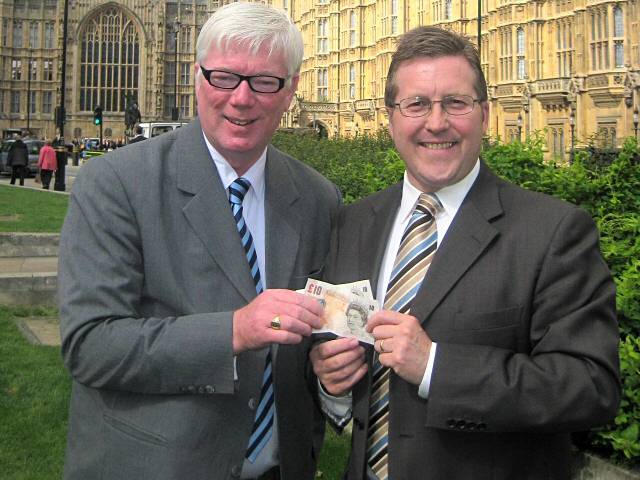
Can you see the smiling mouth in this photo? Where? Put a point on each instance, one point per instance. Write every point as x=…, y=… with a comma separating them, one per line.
x=437, y=146
x=240, y=123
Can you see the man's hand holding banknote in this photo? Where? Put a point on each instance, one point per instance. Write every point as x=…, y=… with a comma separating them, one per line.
x=347, y=308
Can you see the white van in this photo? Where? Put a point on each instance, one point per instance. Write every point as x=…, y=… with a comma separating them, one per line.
x=153, y=129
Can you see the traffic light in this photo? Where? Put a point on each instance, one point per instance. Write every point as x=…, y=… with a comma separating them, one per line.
x=97, y=116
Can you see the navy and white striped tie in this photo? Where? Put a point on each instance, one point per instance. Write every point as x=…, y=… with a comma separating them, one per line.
x=263, y=422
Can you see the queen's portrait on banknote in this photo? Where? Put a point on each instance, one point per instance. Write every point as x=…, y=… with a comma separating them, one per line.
x=346, y=308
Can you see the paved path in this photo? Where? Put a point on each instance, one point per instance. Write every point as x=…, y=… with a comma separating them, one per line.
x=28, y=264
x=40, y=331
x=30, y=182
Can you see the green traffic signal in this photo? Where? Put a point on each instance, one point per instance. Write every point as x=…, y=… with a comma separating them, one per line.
x=97, y=116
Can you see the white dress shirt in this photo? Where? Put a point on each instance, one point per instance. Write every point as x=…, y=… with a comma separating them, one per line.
x=451, y=197
x=253, y=213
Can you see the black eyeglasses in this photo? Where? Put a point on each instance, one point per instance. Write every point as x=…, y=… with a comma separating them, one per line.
x=452, y=104
x=229, y=81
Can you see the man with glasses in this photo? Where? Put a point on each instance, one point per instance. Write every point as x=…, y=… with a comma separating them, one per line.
x=498, y=333
x=179, y=261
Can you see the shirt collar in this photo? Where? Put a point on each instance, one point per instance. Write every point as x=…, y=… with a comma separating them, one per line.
x=450, y=196
x=255, y=174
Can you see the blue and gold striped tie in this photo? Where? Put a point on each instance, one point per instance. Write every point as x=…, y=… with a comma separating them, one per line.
x=417, y=246
x=263, y=422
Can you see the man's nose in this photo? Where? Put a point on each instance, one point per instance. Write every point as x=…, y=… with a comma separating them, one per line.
x=437, y=119
x=242, y=94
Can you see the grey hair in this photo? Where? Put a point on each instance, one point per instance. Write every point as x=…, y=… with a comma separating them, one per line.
x=252, y=25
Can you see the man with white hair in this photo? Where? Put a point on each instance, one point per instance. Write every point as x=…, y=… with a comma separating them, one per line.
x=179, y=258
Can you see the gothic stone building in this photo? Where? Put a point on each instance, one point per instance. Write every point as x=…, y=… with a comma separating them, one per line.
x=569, y=69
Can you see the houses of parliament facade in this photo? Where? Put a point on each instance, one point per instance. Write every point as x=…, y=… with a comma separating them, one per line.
x=569, y=69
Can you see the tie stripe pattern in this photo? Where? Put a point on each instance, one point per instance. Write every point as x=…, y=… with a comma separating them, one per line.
x=237, y=190
x=417, y=247
x=263, y=422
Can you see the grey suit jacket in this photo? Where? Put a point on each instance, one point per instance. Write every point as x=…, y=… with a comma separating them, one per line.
x=522, y=306
x=151, y=269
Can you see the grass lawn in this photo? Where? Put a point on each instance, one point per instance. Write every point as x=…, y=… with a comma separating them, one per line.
x=25, y=210
x=34, y=399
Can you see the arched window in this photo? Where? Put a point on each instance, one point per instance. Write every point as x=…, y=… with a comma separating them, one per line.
x=520, y=35
x=447, y=9
x=352, y=29
x=618, y=32
x=618, y=22
x=109, y=61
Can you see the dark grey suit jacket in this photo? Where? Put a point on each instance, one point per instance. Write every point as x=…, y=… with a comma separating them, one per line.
x=522, y=306
x=151, y=270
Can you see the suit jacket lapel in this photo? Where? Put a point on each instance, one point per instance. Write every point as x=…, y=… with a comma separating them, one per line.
x=208, y=211
x=375, y=232
x=468, y=236
x=282, y=220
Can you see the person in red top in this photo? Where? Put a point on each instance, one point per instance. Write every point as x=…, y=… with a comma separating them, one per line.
x=47, y=163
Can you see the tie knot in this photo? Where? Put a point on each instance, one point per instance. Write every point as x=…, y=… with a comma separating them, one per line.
x=238, y=189
x=428, y=204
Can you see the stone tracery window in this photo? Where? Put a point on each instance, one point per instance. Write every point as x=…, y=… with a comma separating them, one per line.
x=109, y=62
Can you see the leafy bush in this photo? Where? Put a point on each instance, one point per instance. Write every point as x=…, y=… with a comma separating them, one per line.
x=624, y=438
x=359, y=166
x=605, y=183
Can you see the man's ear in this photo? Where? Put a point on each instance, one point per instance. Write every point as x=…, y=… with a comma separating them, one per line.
x=390, y=115
x=485, y=116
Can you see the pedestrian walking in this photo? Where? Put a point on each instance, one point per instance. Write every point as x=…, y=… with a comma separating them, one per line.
x=18, y=159
x=47, y=164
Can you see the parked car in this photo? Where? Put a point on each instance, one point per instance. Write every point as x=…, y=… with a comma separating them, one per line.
x=33, y=147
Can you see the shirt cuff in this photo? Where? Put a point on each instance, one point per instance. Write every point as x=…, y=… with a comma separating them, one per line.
x=425, y=385
x=337, y=409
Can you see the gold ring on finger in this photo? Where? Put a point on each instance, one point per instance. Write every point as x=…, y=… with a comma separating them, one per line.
x=275, y=323
x=382, y=346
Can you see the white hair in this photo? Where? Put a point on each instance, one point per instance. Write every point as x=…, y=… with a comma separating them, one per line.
x=253, y=26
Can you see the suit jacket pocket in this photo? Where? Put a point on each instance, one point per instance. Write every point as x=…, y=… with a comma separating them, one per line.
x=135, y=432
x=299, y=280
x=131, y=452
x=505, y=317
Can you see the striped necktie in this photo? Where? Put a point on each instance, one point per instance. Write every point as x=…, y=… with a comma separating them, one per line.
x=263, y=422
x=417, y=246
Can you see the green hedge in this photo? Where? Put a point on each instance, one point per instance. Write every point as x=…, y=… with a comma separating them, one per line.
x=606, y=185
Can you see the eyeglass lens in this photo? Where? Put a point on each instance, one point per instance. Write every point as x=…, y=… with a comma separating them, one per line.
x=230, y=80
x=451, y=104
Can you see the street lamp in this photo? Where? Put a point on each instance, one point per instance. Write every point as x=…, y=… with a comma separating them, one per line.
x=479, y=32
x=572, y=125
x=175, y=114
x=60, y=118
x=519, y=127
x=30, y=69
x=635, y=122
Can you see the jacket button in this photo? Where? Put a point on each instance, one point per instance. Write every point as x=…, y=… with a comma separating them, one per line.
x=358, y=423
x=200, y=389
x=191, y=389
x=252, y=403
x=209, y=389
x=461, y=424
x=471, y=426
x=236, y=470
x=451, y=423
x=481, y=426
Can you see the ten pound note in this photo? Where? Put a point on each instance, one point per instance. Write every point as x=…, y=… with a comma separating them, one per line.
x=347, y=308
